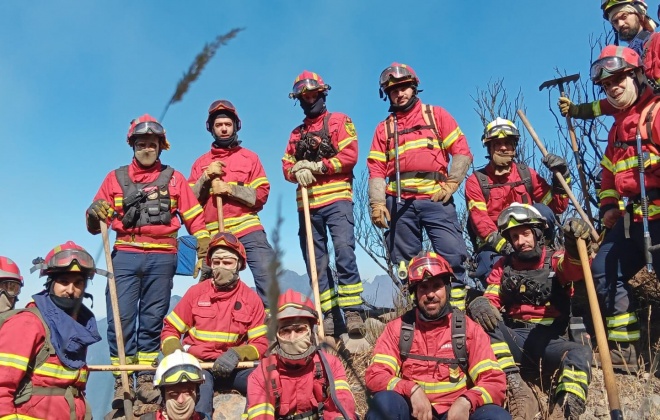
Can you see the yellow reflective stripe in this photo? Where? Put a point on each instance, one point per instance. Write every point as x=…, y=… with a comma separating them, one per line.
x=572, y=388
x=347, y=301
x=19, y=417
x=341, y=384
x=541, y=321
x=623, y=336
x=177, y=322
x=451, y=138
x=346, y=142
x=376, y=155
x=262, y=180
x=325, y=188
x=257, y=332
x=606, y=163
x=263, y=409
x=485, y=396
x=336, y=164
x=119, y=201
x=609, y=193
x=14, y=360
x=595, y=107
x=621, y=320
x=328, y=305
x=653, y=209
x=410, y=145
x=631, y=162
x=500, y=348
x=506, y=362
x=145, y=358
x=289, y=158
x=483, y=366
x=202, y=233
x=392, y=383
x=422, y=186
x=388, y=361
x=443, y=387
x=569, y=374
x=492, y=289
x=235, y=225
x=147, y=245
x=327, y=294
x=458, y=292
x=349, y=289
x=52, y=370
x=479, y=205
x=192, y=212
x=173, y=203
x=547, y=198
x=215, y=336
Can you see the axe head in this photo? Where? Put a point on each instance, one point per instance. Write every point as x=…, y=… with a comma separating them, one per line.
x=560, y=81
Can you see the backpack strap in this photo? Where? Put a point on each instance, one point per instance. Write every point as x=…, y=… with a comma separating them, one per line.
x=389, y=133
x=526, y=177
x=429, y=120
x=458, y=340
x=128, y=186
x=331, y=385
x=483, y=183
x=407, y=333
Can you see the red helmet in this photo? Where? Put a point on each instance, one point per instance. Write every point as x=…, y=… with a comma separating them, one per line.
x=612, y=60
x=65, y=258
x=397, y=74
x=9, y=270
x=607, y=6
x=222, y=106
x=147, y=124
x=307, y=81
x=292, y=304
x=227, y=240
x=427, y=265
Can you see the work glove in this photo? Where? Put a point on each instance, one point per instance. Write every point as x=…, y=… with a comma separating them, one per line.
x=202, y=249
x=380, y=216
x=220, y=187
x=499, y=243
x=304, y=177
x=566, y=107
x=446, y=190
x=170, y=345
x=225, y=364
x=314, y=167
x=215, y=169
x=574, y=229
x=556, y=164
x=484, y=313
x=100, y=210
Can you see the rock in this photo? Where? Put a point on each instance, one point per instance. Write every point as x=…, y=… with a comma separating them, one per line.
x=374, y=329
x=228, y=406
x=355, y=343
x=650, y=406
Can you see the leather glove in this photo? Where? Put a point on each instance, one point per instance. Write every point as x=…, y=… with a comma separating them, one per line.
x=220, y=187
x=499, y=243
x=574, y=229
x=225, y=364
x=556, y=163
x=170, y=345
x=304, y=177
x=202, y=249
x=484, y=313
x=215, y=169
x=446, y=190
x=314, y=167
x=380, y=216
x=566, y=107
x=100, y=210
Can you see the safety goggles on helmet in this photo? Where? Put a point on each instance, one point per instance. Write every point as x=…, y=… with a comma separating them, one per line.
x=501, y=131
x=220, y=105
x=11, y=287
x=519, y=214
x=395, y=74
x=148, y=127
x=306, y=85
x=77, y=259
x=181, y=373
x=606, y=67
x=225, y=237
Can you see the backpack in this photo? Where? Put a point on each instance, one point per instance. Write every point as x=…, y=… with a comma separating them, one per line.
x=308, y=148
x=140, y=208
x=525, y=178
x=429, y=120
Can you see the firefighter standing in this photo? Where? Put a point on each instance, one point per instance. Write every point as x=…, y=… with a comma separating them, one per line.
x=43, y=348
x=235, y=174
x=429, y=378
x=532, y=287
x=414, y=145
x=503, y=181
x=294, y=379
x=220, y=319
x=320, y=155
x=11, y=283
x=146, y=197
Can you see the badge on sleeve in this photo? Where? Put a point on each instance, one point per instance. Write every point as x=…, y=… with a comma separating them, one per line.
x=349, y=127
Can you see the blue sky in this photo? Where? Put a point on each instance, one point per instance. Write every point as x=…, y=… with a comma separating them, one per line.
x=74, y=74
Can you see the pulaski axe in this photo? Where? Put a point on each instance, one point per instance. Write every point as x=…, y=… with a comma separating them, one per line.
x=583, y=180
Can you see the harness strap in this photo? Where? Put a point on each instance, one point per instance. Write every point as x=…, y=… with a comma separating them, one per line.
x=69, y=393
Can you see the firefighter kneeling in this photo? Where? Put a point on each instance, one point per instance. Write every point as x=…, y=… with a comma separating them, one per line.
x=532, y=287
x=298, y=380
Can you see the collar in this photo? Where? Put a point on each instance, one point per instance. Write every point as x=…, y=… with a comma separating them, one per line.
x=219, y=152
x=516, y=264
x=308, y=122
x=139, y=174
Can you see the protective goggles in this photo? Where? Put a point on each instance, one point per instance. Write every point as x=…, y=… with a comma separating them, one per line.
x=500, y=131
x=395, y=74
x=306, y=85
x=423, y=269
x=289, y=330
x=11, y=287
x=606, y=67
x=64, y=259
x=148, y=127
x=224, y=238
x=520, y=215
x=181, y=373
x=220, y=105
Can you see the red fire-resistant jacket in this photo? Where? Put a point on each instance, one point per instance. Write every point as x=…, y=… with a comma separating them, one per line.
x=300, y=389
x=22, y=337
x=336, y=184
x=386, y=371
x=211, y=321
x=242, y=167
x=419, y=151
x=567, y=269
x=483, y=215
x=620, y=170
x=153, y=238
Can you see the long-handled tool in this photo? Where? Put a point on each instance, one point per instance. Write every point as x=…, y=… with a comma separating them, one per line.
x=397, y=167
x=645, y=204
x=562, y=181
x=571, y=130
x=311, y=258
x=601, y=337
x=221, y=217
x=119, y=333
x=142, y=368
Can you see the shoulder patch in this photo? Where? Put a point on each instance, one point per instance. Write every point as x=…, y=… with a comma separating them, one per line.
x=203, y=303
x=349, y=127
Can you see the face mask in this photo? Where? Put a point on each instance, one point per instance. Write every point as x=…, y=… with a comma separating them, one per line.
x=627, y=98
x=298, y=346
x=146, y=157
x=66, y=304
x=6, y=304
x=223, y=278
x=315, y=109
x=180, y=411
x=502, y=159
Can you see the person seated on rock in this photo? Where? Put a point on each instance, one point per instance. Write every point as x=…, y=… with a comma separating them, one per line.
x=220, y=319
x=298, y=380
x=434, y=362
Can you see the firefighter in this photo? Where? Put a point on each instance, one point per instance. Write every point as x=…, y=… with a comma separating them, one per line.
x=526, y=311
x=502, y=181
x=620, y=72
x=421, y=361
x=632, y=24
x=234, y=174
x=146, y=203
x=414, y=145
x=221, y=320
x=294, y=380
x=320, y=156
x=43, y=368
x=178, y=378
x=11, y=283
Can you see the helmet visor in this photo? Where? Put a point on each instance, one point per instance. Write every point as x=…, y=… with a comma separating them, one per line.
x=500, y=131
x=181, y=373
x=606, y=67
x=395, y=74
x=424, y=268
x=520, y=215
x=222, y=238
x=220, y=105
x=305, y=85
x=11, y=287
x=148, y=127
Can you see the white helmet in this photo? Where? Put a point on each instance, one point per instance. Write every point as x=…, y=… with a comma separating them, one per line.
x=178, y=367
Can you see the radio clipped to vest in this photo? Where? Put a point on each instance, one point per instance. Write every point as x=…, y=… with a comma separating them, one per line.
x=315, y=145
x=145, y=204
x=534, y=287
